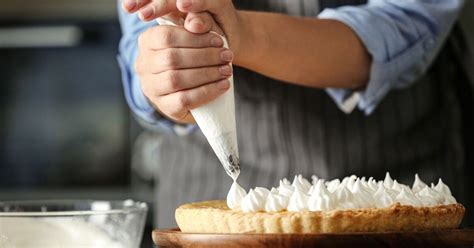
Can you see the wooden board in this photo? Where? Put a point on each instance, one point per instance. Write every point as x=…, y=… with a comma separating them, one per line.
x=440, y=238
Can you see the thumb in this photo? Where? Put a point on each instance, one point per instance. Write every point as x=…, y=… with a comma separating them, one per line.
x=201, y=22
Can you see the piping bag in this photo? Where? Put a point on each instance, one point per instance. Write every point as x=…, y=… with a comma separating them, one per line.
x=216, y=120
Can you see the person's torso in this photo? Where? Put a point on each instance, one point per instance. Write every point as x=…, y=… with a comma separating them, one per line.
x=284, y=129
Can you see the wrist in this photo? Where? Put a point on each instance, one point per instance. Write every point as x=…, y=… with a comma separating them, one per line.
x=249, y=37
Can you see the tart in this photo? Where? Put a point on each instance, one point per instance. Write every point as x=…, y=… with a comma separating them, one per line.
x=216, y=217
x=351, y=205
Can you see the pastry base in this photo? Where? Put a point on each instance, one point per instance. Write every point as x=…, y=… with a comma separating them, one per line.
x=216, y=217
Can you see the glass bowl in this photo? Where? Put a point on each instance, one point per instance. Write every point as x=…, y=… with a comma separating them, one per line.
x=72, y=223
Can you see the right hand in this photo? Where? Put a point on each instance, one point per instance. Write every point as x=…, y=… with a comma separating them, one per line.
x=180, y=70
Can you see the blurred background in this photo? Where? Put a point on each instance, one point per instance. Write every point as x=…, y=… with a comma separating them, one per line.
x=66, y=131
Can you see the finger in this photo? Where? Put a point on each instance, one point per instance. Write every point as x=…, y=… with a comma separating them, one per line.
x=185, y=58
x=156, y=8
x=176, y=80
x=131, y=6
x=195, y=6
x=176, y=17
x=178, y=104
x=162, y=37
x=185, y=118
x=202, y=22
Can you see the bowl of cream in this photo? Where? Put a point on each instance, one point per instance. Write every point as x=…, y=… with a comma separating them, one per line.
x=72, y=223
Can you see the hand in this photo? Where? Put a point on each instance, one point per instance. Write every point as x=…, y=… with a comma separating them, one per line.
x=180, y=70
x=223, y=12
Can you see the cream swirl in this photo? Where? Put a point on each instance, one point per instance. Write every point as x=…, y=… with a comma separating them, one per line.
x=430, y=197
x=398, y=187
x=235, y=196
x=285, y=188
x=388, y=181
x=449, y=199
x=372, y=184
x=298, y=201
x=333, y=185
x=345, y=198
x=314, y=179
x=301, y=183
x=321, y=199
x=350, y=193
x=255, y=200
x=443, y=188
x=275, y=202
x=383, y=198
x=349, y=183
x=418, y=184
x=406, y=197
x=362, y=195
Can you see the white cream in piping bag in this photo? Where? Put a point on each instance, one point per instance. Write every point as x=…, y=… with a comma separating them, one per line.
x=350, y=193
x=217, y=122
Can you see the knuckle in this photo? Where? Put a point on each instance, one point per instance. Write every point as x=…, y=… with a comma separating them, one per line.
x=171, y=58
x=183, y=101
x=208, y=90
x=173, y=112
x=173, y=79
x=167, y=37
x=144, y=38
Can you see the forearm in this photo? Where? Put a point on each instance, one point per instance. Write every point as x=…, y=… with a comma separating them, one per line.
x=305, y=51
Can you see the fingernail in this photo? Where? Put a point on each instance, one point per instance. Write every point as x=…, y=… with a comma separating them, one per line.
x=225, y=70
x=146, y=12
x=186, y=3
x=217, y=42
x=227, y=55
x=223, y=85
x=197, y=21
x=129, y=5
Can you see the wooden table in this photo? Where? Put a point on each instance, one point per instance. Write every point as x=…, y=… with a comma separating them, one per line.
x=440, y=238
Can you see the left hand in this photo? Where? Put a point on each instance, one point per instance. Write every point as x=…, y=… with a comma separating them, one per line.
x=223, y=11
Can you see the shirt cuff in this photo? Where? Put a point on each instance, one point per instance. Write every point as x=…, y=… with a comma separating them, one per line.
x=384, y=75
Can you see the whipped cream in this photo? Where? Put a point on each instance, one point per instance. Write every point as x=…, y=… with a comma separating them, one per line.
x=255, y=200
x=321, y=199
x=275, y=202
x=406, y=197
x=384, y=197
x=418, y=184
x=349, y=193
x=298, y=200
x=235, y=196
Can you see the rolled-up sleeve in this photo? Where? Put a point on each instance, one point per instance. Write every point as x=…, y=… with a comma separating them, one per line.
x=403, y=37
x=144, y=112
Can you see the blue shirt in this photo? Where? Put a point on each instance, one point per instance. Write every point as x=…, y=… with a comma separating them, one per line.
x=402, y=36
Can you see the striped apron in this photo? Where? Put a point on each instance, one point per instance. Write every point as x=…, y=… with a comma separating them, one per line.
x=285, y=129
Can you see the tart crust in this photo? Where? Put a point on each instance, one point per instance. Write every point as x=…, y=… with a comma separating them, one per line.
x=216, y=217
